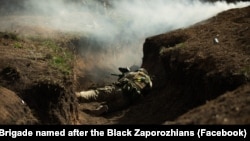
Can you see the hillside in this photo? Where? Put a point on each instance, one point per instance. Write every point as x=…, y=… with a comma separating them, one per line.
x=198, y=71
x=197, y=79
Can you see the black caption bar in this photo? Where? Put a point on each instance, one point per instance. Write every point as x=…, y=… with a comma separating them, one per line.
x=144, y=131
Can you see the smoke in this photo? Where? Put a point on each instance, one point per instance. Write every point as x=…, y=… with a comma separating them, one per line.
x=113, y=30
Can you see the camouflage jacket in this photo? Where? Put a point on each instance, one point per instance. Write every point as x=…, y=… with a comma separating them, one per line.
x=135, y=83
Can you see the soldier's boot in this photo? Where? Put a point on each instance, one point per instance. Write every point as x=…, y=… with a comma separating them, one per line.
x=102, y=109
x=87, y=96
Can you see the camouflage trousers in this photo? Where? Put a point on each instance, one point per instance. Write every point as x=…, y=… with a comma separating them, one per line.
x=111, y=96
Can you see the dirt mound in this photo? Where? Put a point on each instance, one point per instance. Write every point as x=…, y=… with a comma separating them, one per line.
x=37, y=71
x=190, y=68
x=232, y=109
x=14, y=111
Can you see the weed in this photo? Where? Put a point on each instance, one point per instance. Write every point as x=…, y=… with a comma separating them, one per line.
x=61, y=63
x=61, y=58
x=18, y=45
x=180, y=45
x=8, y=35
x=246, y=71
x=52, y=45
x=172, y=48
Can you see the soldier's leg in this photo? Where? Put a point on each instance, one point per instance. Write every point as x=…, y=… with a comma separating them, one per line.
x=116, y=101
x=119, y=102
x=98, y=95
x=104, y=94
x=87, y=96
x=100, y=110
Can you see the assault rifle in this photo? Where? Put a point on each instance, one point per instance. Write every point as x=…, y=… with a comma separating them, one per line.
x=123, y=71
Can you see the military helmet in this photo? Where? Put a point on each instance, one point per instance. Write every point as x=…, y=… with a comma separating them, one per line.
x=143, y=70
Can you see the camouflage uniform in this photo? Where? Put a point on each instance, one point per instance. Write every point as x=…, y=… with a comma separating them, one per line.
x=119, y=95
